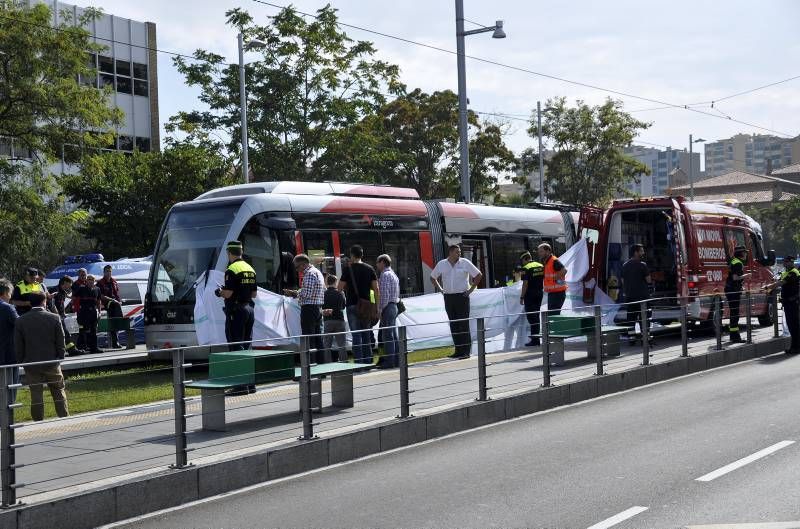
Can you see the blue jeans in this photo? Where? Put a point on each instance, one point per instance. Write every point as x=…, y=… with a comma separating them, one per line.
x=389, y=334
x=362, y=348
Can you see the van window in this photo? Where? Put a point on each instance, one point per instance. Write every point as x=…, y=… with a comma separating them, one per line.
x=129, y=293
x=734, y=238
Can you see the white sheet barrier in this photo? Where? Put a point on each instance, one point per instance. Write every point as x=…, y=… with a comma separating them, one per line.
x=278, y=317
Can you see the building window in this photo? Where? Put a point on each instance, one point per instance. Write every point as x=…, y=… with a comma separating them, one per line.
x=123, y=68
x=106, y=64
x=140, y=70
x=143, y=144
x=106, y=80
x=140, y=87
x=125, y=143
x=124, y=85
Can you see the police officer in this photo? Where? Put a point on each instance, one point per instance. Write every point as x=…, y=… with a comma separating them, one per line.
x=790, y=299
x=239, y=291
x=88, y=314
x=733, y=290
x=20, y=297
x=532, y=294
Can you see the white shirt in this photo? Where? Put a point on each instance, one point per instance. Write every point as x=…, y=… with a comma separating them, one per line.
x=455, y=278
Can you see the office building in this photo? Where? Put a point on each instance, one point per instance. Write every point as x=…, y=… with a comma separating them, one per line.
x=756, y=153
x=668, y=168
x=129, y=66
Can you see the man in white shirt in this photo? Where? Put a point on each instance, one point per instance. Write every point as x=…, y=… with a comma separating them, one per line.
x=456, y=278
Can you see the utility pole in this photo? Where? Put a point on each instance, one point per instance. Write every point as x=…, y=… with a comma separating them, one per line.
x=243, y=111
x=541, y=153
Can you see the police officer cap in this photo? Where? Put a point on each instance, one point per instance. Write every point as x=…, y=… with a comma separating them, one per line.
x=789, y=258
x=739, y=249
x=518, y=268
x=32, y=271
x=234, y=245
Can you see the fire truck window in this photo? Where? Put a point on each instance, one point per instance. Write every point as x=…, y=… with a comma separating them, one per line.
x=318, y=245
x=403, y=248
x=756, y=249
x=369, y=240
x=506, y=250
x=734, y=238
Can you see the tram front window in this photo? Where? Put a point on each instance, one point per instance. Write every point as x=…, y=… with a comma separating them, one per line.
x=189, y=246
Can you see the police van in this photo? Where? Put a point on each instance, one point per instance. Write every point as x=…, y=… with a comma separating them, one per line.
x=688, y=247
x=131, y=275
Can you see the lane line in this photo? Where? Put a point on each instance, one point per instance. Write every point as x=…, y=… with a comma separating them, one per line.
x=619, y=518
x=744, y=461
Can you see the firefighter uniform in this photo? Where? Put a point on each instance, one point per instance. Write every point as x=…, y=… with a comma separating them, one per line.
x=240, y=278
x=533, y=275
x=733, y=292
x=790, y=299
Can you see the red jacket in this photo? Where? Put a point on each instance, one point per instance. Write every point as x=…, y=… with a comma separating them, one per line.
x=109, y=289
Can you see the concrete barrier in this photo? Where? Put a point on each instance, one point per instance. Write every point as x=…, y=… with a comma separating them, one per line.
x=170, y=488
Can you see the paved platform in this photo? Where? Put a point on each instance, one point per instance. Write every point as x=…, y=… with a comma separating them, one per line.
x=62, y=456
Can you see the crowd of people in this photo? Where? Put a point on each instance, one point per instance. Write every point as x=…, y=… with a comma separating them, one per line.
x=33, y=328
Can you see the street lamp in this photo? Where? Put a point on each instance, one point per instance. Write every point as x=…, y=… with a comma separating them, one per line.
x=497, y=33
x=250, y=45
x=691, y=163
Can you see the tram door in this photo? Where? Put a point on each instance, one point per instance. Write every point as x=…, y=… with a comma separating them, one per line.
x=476, y=250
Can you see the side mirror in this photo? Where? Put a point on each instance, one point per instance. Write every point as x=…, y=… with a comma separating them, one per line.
x=770, y=259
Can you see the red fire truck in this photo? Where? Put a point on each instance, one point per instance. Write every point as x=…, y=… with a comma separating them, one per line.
x=688, y=247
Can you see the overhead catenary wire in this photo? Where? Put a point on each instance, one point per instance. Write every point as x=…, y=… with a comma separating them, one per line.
x=530, y=71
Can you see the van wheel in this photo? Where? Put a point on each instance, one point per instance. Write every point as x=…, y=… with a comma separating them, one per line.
x=765, y=320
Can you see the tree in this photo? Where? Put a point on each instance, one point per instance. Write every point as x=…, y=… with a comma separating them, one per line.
x=130, y=194
x=43, y=106
x=312, y=82
x=588, y=165
x=412, y=141
x=780, y=223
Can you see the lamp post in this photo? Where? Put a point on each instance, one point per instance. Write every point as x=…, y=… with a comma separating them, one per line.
x=251, y=45
x=691, y=163
x=497, y=33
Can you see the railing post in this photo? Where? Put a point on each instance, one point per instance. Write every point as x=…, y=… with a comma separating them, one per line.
x=482, y=389
x=598, y=338
x=179, y=409
x=684, y=326
x=774, y=307
x=402, y=350
x=748, y=313
x=718, y=321
x=305, y=388
x=545, y=351
x=645, y=325
x=7, y=456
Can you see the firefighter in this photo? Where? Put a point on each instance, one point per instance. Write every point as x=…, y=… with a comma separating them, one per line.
x=733, y=290
x=789, y=283
x=532, y=294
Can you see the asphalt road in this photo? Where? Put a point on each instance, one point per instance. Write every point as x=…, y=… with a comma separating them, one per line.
x=635, y=454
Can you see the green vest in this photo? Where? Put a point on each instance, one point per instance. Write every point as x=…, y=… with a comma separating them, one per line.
x=241, y=266
x=33, y=288
x=736, y=261
x=537, y=267
x=786, y=273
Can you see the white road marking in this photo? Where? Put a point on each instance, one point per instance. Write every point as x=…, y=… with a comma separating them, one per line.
x=618, y=518
x=745, y=461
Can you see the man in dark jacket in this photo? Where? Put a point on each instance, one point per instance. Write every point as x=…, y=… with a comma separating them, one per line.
x=38, y=337
x=8, y=318
x=88, y=313
x=109, y=297
x=60, y=301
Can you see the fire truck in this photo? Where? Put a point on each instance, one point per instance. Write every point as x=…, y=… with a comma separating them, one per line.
x=688, y=247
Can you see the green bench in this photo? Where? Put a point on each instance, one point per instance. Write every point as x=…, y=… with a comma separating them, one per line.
x=234, y=369
x=561, y=328
x=116, y=325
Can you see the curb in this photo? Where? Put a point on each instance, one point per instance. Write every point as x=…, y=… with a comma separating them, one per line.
x=170, y=488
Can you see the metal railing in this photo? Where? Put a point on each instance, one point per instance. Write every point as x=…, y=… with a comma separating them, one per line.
x=292, y=411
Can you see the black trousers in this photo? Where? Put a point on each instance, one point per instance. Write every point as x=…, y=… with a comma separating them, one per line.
x=532, y=308
x=734, y=302
x=239, y=320
x=67, y=335
x=311, y=324
x=791, y=311
x=87, y=323
x=114, y=310
x=457, y=308
x=555, y=300
x=633, y=306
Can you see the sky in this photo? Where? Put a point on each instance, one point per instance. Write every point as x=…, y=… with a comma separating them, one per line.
x=679, y=52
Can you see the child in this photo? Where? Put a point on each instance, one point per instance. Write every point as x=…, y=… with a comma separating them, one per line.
x=333, y=307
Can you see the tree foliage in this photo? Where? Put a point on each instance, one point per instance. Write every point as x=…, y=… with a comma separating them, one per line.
x=310, y=82
x=43, y=106
x=413, y=141
x=780, y=223
x=130, y=194
x=588, y=165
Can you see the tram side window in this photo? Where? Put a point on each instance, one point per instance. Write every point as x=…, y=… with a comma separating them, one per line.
x=369, y=240
x=506, y=250
x=318, y=245
x=261, y=250
x=403, y=248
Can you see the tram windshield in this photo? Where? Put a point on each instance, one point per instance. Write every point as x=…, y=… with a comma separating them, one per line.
x=190, y=244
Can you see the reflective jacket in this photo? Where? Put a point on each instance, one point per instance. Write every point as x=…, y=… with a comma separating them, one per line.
x=551, y=281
